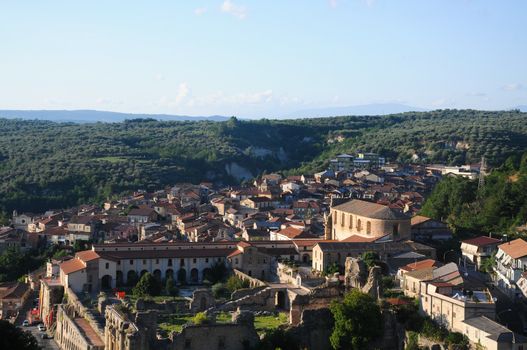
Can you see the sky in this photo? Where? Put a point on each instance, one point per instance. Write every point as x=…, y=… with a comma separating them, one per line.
x=261, y=58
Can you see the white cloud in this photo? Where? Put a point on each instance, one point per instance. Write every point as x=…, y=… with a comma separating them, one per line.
x=200, y=10
x=182, y=93
x=240, y=99
x=237, y=11
x=513, y=87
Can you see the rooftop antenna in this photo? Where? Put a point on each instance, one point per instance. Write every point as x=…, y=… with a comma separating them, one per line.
x=482, y=173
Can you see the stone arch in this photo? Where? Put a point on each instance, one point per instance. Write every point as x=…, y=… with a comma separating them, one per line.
x=118, y=278
x=279, y=300
x=142, y=273
x=194, y=275
x=169, y=274
x=131, y=278
x=157, y=274
x=106, y=282
x=207, y=274
x=182, y=276
x=203, y=303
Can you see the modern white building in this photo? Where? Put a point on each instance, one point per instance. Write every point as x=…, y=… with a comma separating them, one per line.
x=511, y=263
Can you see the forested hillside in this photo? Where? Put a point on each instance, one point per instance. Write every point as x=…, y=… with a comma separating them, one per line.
x=54, y=165
x=499, y=207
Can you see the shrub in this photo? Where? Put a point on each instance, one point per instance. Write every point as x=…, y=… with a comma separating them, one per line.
x=200, y=318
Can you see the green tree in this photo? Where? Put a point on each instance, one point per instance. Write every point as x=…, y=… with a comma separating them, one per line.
x=369, y=258
x=170, y=287
x=358, y=321
x=12, y=337
x=217, y=273
x=132, y=279
x=148, y=285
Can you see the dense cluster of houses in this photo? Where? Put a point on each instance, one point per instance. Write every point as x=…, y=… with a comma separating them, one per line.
x=317, y=222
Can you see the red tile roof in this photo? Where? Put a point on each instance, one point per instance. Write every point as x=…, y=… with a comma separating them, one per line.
x=87, y=255
x=71, y=266
x=516, y=249
x=423, y=264
x=481, y=241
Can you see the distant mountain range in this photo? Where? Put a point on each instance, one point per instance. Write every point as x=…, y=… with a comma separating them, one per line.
x=369, y=109
x=92, y=116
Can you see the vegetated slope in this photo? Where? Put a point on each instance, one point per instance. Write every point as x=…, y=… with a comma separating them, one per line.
x=500, y=206
x=55, y=165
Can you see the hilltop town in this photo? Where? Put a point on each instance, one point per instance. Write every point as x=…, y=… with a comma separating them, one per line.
x=159, y=270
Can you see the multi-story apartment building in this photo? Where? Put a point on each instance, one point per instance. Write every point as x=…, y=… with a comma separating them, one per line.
x=511, y=263
x=476, y=250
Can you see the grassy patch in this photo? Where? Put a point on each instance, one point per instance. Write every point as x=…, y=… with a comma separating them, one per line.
x=174, y=323
x=262, y=323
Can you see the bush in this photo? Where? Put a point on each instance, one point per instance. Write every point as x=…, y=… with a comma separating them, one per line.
x=412, y=343
x=432, y=331
x=219, y=290
x=457, y=341
x=170, y=287
x=234, y=283
x=200, y=318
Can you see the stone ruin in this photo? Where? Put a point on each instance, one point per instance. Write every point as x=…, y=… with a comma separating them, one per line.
x=357, y=275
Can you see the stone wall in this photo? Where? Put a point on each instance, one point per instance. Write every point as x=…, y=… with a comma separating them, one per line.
x=314, y=329
x=83, y=311
x=239, y=335
x=254, y=282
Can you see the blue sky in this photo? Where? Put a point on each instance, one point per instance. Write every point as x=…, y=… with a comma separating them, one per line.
x=261, y=58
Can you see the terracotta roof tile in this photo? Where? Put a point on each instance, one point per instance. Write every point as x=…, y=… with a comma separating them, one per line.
x=71, y=266
x=516, y=249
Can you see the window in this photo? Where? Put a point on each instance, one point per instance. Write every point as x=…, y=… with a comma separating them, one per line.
x=395, y=230
x=119, y=262
x=368, y=228
x=206, y=260
x=107, y=266
x=335, y=218
x=131, y=262
x=359, y=225
x=342, y=219
x=144, y=262
x=157, y=261
x=194, y=260
x=182, y=262
x=169, y=262
x=236, y=260
x=351, y=221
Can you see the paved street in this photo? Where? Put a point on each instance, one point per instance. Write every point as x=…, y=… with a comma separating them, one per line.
x=47, y=344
